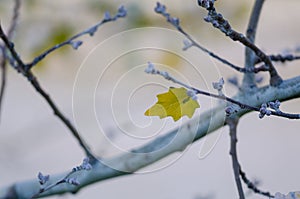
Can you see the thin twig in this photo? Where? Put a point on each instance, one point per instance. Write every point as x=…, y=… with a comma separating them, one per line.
x=252, y=186
x=32, y=79
x=161, y=9
x=128, y=163
x=217, y=57
x=3, y=66
x=168, y=77
x=51, y=186
x=232, y=123
x=281, y=58
x=219, y=22
x=15, y=19
x=3, y=75
x=250, y=57
x=90, y=31
x=23, y=68
x=44, y=179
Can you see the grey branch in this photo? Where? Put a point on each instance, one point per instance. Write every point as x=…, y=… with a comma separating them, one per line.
x=3, y=55
x=210, y=121
x=250, y=57
x=232, y=123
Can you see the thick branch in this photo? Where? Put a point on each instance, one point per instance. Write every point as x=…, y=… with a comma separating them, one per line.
x=263, y=110
x=210, y=121
x=249, y=79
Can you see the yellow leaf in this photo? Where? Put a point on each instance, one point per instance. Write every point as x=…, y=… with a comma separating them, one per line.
x=175, y=103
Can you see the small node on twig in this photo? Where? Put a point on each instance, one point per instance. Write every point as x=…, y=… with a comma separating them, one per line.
x=290, y=195
x=165, y=74
x=192, y=94
x=107, y=16
x=93, y=29
x=275, y=105
x=160, y=8
x=218, y=85
x=206, y=3
x=76, y=44
x=264, y=111
x=272, y=105
x=122, y=12
x=150, y=68
x=72, y=181
x=187, y=44
x=85, y=165
x=43, y=179
x=174, y=21
x=231, y=109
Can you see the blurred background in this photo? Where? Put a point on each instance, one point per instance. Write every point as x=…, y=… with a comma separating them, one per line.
x=102, y=88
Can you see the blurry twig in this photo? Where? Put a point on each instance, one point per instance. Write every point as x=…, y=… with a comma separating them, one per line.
x=24, y=69
x=75, y=44
x=281, y=58
x=19, y=66
x=3, y=67
x=15, y=18
x=3, y=75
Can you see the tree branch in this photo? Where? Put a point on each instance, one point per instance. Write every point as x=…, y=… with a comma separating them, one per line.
x=3, y=66
x=243, y=105
x=141, y=157
x=190, y=42
x=281, y=58
x=90, y=31
x=219, y=22
x=23, y=68
x=15, y=19
x=232, y=123
x=3, y=76
x=238, y=173
x=252, y=186
x=174, y=21
x=20, y=67
x=250, y=57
